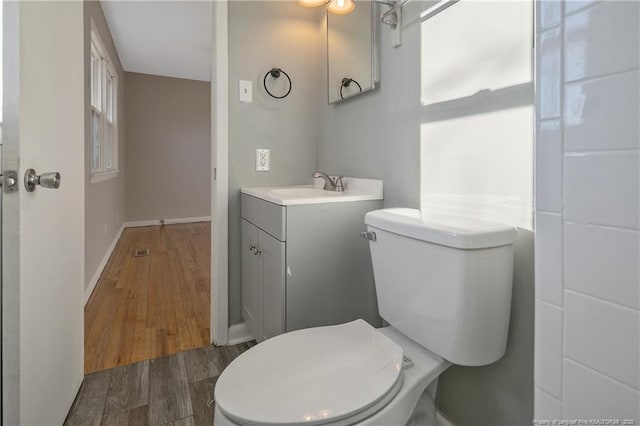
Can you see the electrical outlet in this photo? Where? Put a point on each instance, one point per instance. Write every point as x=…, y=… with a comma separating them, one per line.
x=263, y=160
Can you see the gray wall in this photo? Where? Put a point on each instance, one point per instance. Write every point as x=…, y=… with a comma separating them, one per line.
x=263, y=35
x=104, y=201
x=168, y=151
x=500, y=393
x=377, y=135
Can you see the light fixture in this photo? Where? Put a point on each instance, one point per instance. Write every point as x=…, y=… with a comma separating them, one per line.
x=337, y=7
x=311, y=3
x=341, y=7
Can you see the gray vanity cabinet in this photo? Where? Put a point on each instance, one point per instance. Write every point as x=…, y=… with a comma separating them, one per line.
x=305, y=265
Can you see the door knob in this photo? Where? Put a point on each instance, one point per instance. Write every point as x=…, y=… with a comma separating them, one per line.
x=45, y=180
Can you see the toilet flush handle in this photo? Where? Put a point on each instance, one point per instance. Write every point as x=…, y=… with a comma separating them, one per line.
x=371, y=236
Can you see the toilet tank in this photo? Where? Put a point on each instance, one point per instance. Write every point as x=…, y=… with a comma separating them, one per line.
x=444, y=281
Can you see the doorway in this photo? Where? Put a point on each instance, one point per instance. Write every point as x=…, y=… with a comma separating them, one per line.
x=149, y=305
x=148, y=257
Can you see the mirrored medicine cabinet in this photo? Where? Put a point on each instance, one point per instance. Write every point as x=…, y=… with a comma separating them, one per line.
x=352, y=52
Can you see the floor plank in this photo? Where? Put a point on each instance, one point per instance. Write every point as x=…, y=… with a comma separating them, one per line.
x=88, y=407
x=187, y=421
x=146, y=307
x=202, y=363
x=129, y=388
x=169, y=396
x=229, y=353
x=138, y=416
x=202, y=400
x=119, y=418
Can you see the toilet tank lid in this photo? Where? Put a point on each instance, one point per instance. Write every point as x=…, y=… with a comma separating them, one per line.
x=447, y=230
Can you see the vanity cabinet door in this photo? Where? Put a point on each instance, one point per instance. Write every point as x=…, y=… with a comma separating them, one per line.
x=262, y=281
x=249, y=275
x=329, y=271
x=271, y=285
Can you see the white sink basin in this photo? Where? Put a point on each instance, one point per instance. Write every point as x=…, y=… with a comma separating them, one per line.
x=355, y=190
x=304, y=192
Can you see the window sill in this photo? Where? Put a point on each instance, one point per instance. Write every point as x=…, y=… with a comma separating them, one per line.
x=102, y=176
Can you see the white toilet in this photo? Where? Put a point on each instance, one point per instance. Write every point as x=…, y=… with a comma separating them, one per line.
x=444, y=286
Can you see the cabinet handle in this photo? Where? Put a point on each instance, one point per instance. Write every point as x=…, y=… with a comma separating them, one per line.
x=257, y=251
x=252, y=247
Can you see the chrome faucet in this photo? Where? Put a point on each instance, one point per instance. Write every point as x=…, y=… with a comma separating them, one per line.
x=330, y=184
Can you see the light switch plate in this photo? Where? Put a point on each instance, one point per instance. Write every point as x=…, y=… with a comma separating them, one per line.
x=263, y=160
x=244, y=91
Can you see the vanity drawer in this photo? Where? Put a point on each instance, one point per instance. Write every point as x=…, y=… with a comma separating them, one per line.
x=267, y=216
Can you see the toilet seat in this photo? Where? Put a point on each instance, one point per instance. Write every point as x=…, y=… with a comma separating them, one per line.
x=314, y=376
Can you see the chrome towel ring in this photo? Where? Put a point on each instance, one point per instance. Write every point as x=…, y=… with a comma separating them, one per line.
x=346, y=82
x=275, y=74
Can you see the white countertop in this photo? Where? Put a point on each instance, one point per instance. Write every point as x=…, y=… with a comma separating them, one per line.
x=354, y=190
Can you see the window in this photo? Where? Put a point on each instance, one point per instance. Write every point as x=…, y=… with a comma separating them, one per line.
x=103, y=121
x=477, y=111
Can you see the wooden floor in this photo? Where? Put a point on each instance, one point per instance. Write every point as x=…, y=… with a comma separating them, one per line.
x=146, y=307
x=175, y=390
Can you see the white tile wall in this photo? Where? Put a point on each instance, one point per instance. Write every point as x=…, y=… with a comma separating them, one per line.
x=547, y=407
x=549, y=64
x=573, y=5
x=587, y=357
x=550, y=15
x=602, y=188
x=602, y=39
x=549, y=257
x=549, y=160
x=603, y=113
x=603, y=336
x=612, y=255
x=548, y=348
x=591, y=395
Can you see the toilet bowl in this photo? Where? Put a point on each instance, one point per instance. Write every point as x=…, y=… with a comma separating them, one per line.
x=443, y=284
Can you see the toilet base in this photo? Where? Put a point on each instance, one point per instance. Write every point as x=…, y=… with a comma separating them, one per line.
x=425, y=412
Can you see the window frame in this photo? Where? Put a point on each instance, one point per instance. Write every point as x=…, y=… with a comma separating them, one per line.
x=103, y=103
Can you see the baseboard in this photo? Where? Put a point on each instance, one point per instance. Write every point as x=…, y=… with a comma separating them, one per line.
x=96, y=276
x=239, y=333
x=156, y=222
x=442, y=420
